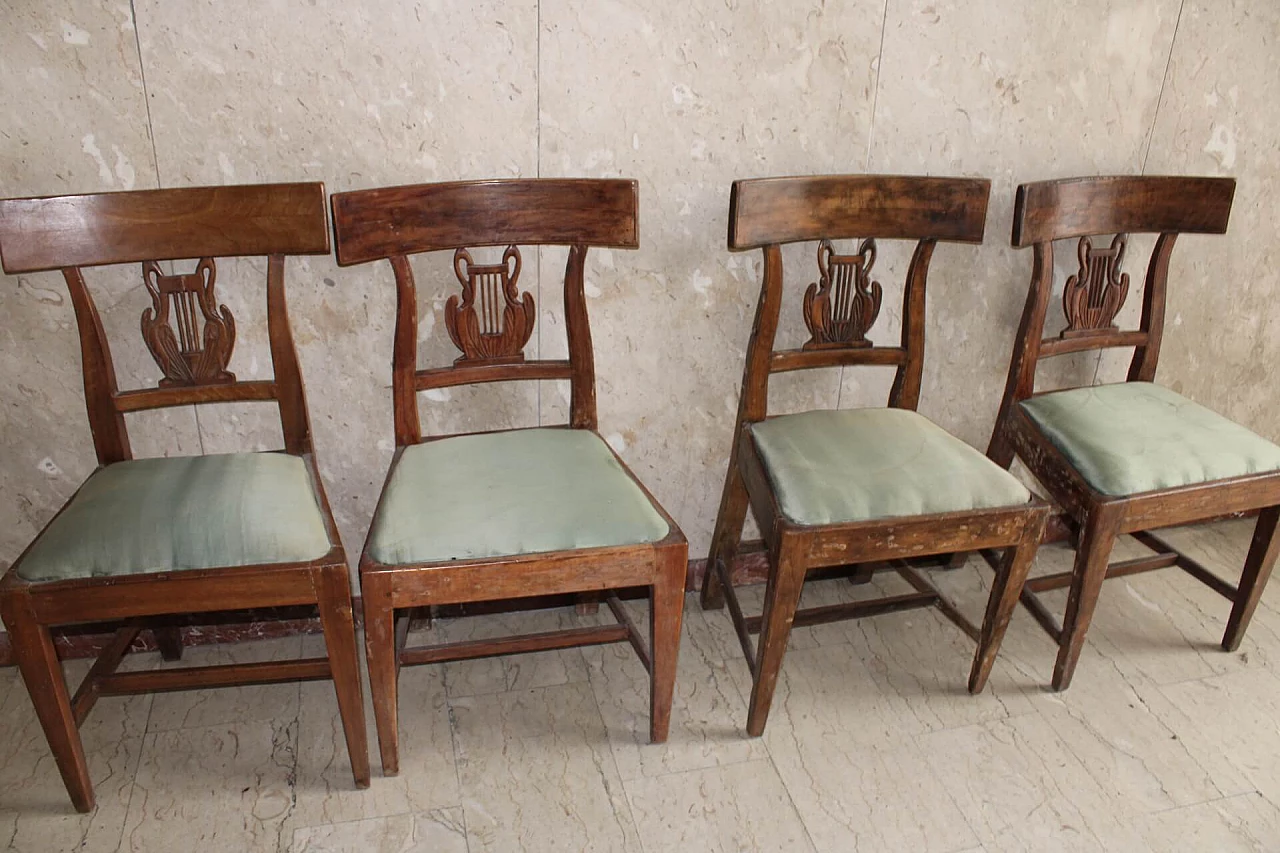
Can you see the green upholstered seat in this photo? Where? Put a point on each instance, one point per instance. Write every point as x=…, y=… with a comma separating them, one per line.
x=197, y=512
x=507, y=493
x=1136, y=437
x=829, y=467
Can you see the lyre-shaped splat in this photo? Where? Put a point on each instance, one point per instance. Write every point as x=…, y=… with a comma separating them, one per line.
x=1093, y=296
x=187, y=354
x=492, y=322
x=844, y=303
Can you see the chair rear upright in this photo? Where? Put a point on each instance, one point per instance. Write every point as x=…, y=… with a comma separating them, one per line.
x=490, y=321
x=844, y=303
x=188, y=334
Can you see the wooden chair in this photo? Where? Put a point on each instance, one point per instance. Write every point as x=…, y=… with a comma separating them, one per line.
x=866, y=486
x=499, y=515
x=146, y=537
x=1129, y=457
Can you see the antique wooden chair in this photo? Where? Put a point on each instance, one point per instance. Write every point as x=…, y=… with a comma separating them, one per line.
x=513, y=513
x=1133, y=456
x=177, y=535
x=864, y=486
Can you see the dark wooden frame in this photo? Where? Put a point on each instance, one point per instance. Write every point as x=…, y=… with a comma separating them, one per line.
x=764, y=214
x=396, y=222
x=70, y=232
x=1085, y=207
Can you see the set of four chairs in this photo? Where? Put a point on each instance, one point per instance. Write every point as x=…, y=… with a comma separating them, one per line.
x=554, y=511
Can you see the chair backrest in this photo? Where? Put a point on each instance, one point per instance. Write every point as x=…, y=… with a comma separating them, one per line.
x=491, y=321
x=1113, y=207
x=188, y=334
x=843, y=304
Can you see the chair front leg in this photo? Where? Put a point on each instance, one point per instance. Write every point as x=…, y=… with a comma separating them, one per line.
x=37, y=660
x=666, y=613
x=1005, y=591
x=781, y=598
x=727, y=535
x=380, y=651
x=1257, y=569
x=1092, y=555
x=333, y=587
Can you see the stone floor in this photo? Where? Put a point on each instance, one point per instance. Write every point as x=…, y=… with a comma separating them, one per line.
x=1164, y=742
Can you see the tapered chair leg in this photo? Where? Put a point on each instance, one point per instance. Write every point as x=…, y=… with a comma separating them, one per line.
x=1005, y=590
x=334, y=593
x=37, y=660
x=169, y=642
x=781, y=598
x=1096, y=540
x=586, y=603
x=380, y=651
x=1257, y=569
x=666, y=613
x=727, y=535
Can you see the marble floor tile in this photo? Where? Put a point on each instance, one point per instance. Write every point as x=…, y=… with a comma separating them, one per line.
x=258, y=702
x=1021, y=787
x=1248, y=823
x=226, y=787
x=852, y=793
x=441, y=831
x=737, y=807
x=509, y=672
x=35, y=811
x=324, y=789
x=536, y=773
x=708, y=714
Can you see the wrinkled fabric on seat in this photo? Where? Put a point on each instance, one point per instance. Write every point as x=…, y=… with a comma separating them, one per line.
x=1135, y=437
x=508, y=493
x=829, y=467
x=197, y=512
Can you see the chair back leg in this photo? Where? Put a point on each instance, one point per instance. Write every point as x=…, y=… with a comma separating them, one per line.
x=726, y=537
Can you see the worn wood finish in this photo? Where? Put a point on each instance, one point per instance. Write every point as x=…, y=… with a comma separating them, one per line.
x=1082, y=209
x=839, y=311
x=191, y=337
x=397, y=222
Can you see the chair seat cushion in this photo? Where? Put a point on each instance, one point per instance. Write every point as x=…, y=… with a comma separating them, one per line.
x=507, y=493
x=829, y=467
x=1137, y=437
x=199, y=512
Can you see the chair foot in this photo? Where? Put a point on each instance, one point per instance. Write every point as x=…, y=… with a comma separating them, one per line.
x=37, y=660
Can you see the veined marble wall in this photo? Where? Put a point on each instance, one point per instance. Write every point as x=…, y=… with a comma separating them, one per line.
x=685, y=96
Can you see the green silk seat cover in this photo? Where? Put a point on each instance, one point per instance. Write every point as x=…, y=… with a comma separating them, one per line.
x=169, y=514
x=829, y=467
x=1135, y=437
x=508, y=493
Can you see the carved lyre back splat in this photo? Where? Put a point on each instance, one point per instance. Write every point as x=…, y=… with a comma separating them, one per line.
x=844, y=303
x=1093, y=296
x=191, y=355
x=493, y=322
